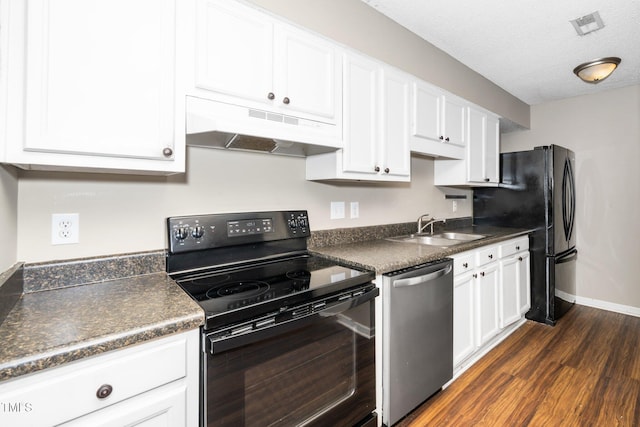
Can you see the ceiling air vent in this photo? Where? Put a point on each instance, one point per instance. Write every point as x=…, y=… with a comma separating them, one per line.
x=588, y=23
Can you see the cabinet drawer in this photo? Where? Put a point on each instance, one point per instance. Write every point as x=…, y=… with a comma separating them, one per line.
x=463, y=262
x=512, y=246
x=486, y=255
x=66, y=392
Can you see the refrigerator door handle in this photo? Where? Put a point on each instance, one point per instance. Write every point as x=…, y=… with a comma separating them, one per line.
x=568, y=257
x=568, y=199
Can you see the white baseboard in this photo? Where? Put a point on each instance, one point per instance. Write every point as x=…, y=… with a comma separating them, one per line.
x=609, y=306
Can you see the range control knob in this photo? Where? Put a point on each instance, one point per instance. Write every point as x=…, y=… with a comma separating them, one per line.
x=181, y=233
x=293, y=223
x=197, y=231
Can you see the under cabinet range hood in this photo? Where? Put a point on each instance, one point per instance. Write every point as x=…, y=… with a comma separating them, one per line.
x=215, y=124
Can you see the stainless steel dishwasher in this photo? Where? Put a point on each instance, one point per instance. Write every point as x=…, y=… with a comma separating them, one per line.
x=417, y=334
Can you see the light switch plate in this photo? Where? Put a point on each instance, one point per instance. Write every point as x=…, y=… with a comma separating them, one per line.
x=337, y=210
x=355, y=210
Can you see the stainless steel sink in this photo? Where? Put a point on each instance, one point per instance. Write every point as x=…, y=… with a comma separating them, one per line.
x=460, y=236
x=440, y=239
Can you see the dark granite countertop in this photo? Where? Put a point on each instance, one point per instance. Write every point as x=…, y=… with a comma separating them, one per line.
x=383, y=256
x=49, y=328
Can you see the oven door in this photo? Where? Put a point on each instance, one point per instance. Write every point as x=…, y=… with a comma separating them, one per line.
x=316, y=370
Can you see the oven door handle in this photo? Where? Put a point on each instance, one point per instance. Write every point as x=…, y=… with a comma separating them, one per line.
x=219, y=345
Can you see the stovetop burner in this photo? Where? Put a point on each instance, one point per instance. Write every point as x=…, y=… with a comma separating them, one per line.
x=239, y=290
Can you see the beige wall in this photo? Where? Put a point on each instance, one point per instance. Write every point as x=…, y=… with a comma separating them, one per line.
x=355, y=24
x=604, y=132
x=120, y=214
x=8, y=216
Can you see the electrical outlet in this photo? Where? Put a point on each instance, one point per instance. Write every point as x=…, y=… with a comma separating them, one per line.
x=65, y=229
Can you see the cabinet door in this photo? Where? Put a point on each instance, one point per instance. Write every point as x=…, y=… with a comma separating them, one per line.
x=394, y=120
x=463, y=317
x=307, y=73
x=509, y=301
x=100, y=77
x=454, y=126
x=492, y=150
x=165, y=406
x=475, y=147
x=487, y=303
x=524, y=281
x=426, y=114
x=234, y=51
x=360, y=125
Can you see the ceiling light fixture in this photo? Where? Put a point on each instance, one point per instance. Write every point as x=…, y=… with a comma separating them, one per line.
x=597, y=70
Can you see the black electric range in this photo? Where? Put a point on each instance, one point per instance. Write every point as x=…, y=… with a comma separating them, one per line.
x=289, y=337
x=245, y=265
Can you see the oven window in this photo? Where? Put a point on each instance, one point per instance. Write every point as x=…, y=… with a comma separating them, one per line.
x=318, y=372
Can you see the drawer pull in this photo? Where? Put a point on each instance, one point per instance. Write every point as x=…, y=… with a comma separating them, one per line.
x=465, y=265
x=475, y=275
x=517, y=248
x=519, y=258
x=482, y=273
x=104, y=391
x=490, y=256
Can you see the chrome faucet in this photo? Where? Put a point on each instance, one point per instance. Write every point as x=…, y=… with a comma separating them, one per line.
x=420, y=226
x=429, y=223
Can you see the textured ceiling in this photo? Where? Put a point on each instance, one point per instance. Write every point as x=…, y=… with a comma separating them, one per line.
x=527, y=47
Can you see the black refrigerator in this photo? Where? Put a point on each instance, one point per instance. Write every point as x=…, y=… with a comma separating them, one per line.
x=537, y=191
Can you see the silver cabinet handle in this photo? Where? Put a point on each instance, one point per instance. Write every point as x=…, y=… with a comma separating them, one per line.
x=167, y=152
x=413, y=281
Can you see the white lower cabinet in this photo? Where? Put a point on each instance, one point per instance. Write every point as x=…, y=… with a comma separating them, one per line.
x=509, y=302
x=491, y=294
x=165, y=406
x=154, y=383
x=464, y=342
x=515, y=280
x=487, y=303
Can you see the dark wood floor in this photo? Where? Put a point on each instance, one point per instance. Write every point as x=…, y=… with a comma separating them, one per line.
x=585, y=371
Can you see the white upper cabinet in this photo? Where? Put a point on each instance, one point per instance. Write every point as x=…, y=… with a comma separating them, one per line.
x=394, y=119
x=234, y=52
x=245, y=57
x=483, y=153
x=438, y=126
x=376, y=126
x=361, y=133
x=481, y=165
x=101, y=86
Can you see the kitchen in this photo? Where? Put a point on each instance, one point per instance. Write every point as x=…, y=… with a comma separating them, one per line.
x=126, y=213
